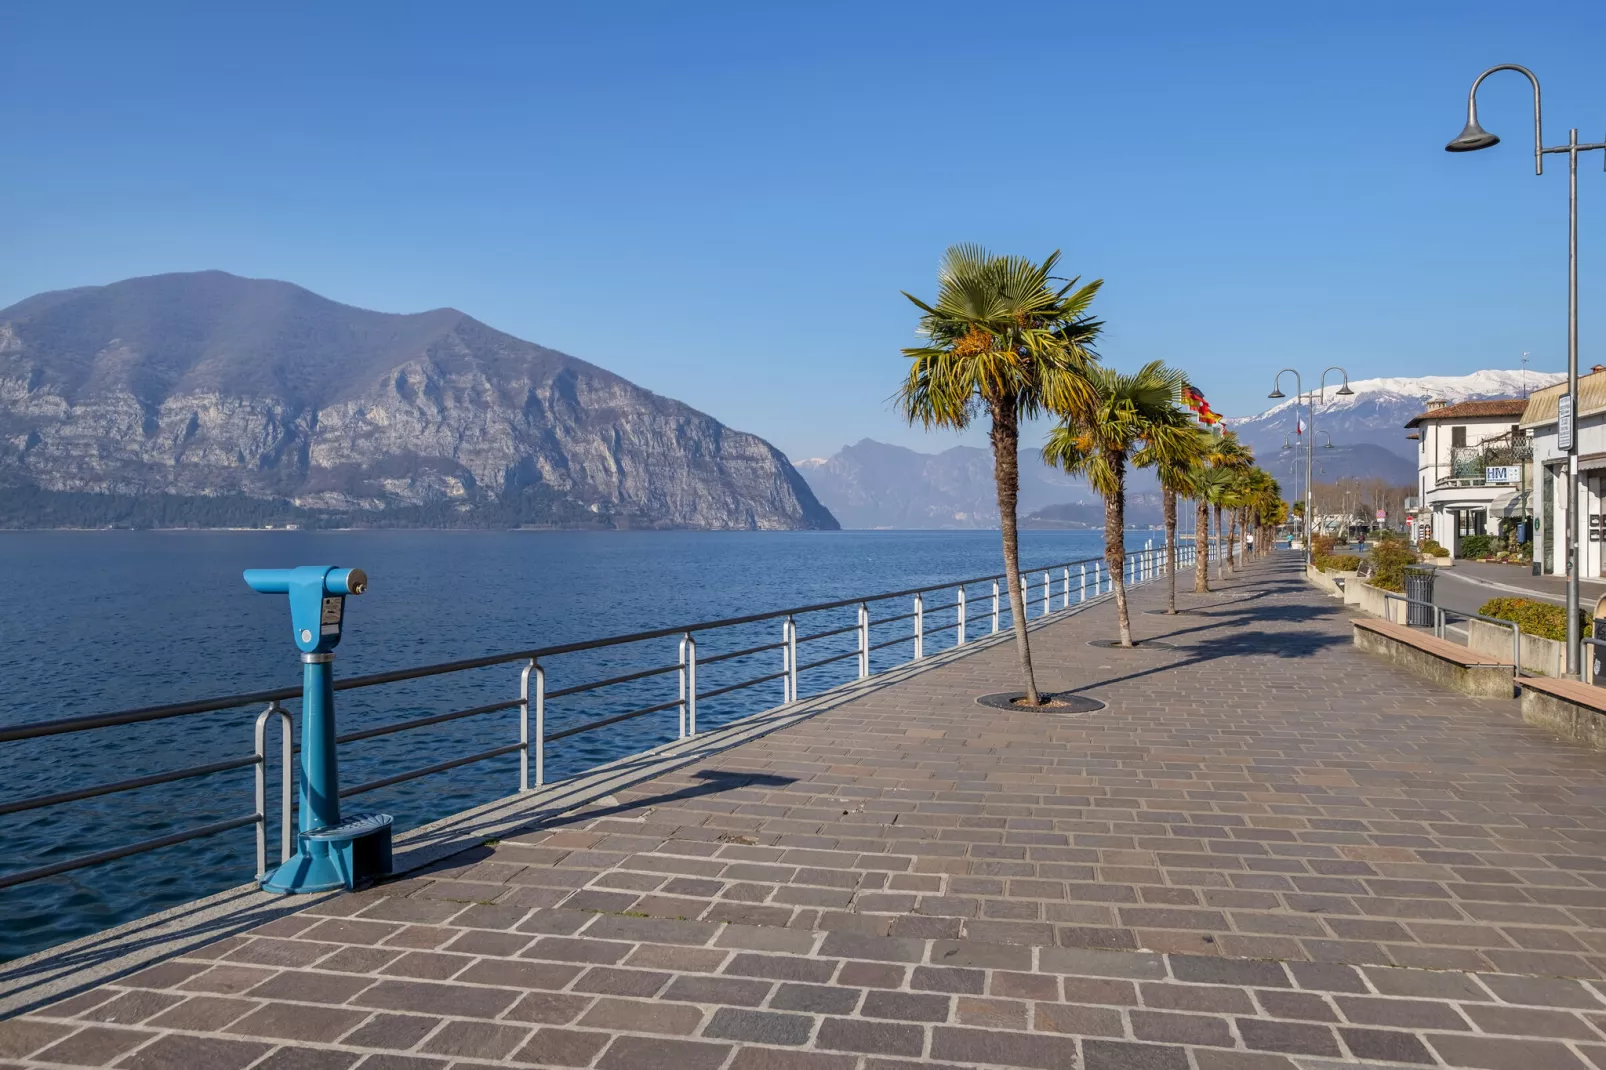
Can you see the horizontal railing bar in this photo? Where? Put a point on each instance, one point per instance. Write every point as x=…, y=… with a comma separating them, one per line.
x=207, y=705
x=439, y=767
x=41, y=872
x=625, y=679
x=827, y=661
x=893, y=642
x=739, y=653
x=940, y=628
x=737, y=687
x=590, y=725
x=823, y=635
x=421, y=722
x=892, y=620
x=168, y=777
x=939, y=609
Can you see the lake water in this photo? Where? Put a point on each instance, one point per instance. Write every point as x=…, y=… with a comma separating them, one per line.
x=95, y=622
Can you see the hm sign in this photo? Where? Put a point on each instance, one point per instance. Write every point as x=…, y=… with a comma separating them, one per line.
x=1502, y=474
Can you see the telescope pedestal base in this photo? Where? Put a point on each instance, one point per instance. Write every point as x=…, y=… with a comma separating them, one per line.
x=349, y=855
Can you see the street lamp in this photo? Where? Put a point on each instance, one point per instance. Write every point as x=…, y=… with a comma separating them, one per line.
x=1472, y=138
x=1310, y=453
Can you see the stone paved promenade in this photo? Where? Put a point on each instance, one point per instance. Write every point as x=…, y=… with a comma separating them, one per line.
x=1269, y=852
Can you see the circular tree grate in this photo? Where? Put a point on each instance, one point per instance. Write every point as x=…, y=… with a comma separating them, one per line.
x=1057, y=702
x=1139, y=644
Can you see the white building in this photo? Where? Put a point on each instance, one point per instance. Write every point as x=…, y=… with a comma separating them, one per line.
x=1470, y=473
x=1549, y=473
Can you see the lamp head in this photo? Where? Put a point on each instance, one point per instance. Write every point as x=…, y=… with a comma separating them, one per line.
x=1344, y=391
x=1276, y=392
x=1472, y=138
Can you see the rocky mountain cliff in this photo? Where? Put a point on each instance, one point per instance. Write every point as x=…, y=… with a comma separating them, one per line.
x=876, y=485
x=254, y=398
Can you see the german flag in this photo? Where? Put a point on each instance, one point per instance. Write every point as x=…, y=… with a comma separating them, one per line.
x=1196, y=401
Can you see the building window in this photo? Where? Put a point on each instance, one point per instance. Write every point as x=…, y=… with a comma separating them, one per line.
x=1458, y=437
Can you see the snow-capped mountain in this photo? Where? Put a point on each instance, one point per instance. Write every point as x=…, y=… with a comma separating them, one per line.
x=1371, y=421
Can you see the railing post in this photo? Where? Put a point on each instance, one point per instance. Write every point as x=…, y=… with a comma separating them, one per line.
x=995, y=607
x=1025, y=599
x=1081, y=596
x=524, y=725
x=536, y=674
x=788, y=661
x=688, y=686
x=864, y=640
x=920, y=627
x=286, y=787
x=961, y=626
x=1065, y=600
x=1048, y=597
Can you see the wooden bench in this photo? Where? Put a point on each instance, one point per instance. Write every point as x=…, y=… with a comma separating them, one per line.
x=1437, y=659
x=1569, y=708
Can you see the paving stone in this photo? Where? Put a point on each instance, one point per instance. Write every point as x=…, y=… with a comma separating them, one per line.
x=1386, y=1046
x=290, y=1021
x=92, y=1046
x=429, y=997
x=176, y=1051
x=1112, y=1055
x=1495, y=1053
x=642, y=1016
x=398, y=1031
x=562, y=1047
x=876, y=1038
x=1169, y=1028
x=642, y=1053
x=816, y=999
x=1039, y=1051
x=905, y=1006
x=480, y=1040
x=759, y=1027
x=1294, y=1037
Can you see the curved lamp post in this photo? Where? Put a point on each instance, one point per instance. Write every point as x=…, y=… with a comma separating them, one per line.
x=1473, y=137
x=1276, y=392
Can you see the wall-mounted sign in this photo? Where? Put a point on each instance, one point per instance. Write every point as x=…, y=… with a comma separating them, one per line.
x=1564, y=422
x=1500, y=474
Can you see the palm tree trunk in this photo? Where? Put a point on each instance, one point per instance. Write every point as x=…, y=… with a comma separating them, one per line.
x=1115, y=545
x=1221, y=541
x=1201, y=547
x=1171, y=551
x=1006, y=473
x=1232, y=537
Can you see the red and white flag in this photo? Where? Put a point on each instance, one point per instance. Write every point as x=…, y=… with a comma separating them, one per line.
x=1299, y=427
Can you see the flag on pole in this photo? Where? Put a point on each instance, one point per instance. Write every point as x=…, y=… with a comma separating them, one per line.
x=1299, y=426
x=1196, y=401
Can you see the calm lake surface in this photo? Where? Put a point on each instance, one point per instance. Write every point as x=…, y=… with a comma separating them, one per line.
x=95, y=622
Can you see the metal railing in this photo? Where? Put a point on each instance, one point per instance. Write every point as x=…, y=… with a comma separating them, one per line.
x=1090, y=581
x=1441, y=614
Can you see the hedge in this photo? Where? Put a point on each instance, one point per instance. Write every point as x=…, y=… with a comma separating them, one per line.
x=1543, y=619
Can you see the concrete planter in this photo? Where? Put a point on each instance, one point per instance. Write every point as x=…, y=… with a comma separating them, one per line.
x=1352, y=587
x=1442, y=562
x=1371, y=600
x=1545, y=656
x=1321, y=580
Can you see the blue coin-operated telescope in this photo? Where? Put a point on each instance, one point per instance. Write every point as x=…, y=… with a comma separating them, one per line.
x=330, y=853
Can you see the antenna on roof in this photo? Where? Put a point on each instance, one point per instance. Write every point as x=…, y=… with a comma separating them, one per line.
x=1524, y=373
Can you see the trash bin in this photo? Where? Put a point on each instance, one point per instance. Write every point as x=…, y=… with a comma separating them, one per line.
x=1419, y=588
x=1597, y=668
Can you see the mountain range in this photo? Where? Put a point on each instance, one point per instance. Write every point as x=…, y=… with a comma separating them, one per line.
x=209, y=399
x=1367, y=427
x=875, y=485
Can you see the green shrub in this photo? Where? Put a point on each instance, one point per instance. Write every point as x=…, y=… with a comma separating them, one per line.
x=1543, y=619
x=1477, y=545
x=1432, y=548
x=1334, y=562
x=1321, y=544
x=1388, y=558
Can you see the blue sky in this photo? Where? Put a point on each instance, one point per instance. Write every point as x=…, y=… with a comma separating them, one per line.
x=722, y=201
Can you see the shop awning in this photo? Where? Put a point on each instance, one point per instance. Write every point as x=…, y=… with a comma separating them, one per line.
x=1590, y=462
x=1509, y=506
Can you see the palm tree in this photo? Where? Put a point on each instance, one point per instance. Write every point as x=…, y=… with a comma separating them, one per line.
x=1003, y=340
x=1228, y=454
x=1174, y=449
x=1210, y=485
x=1097, y=439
